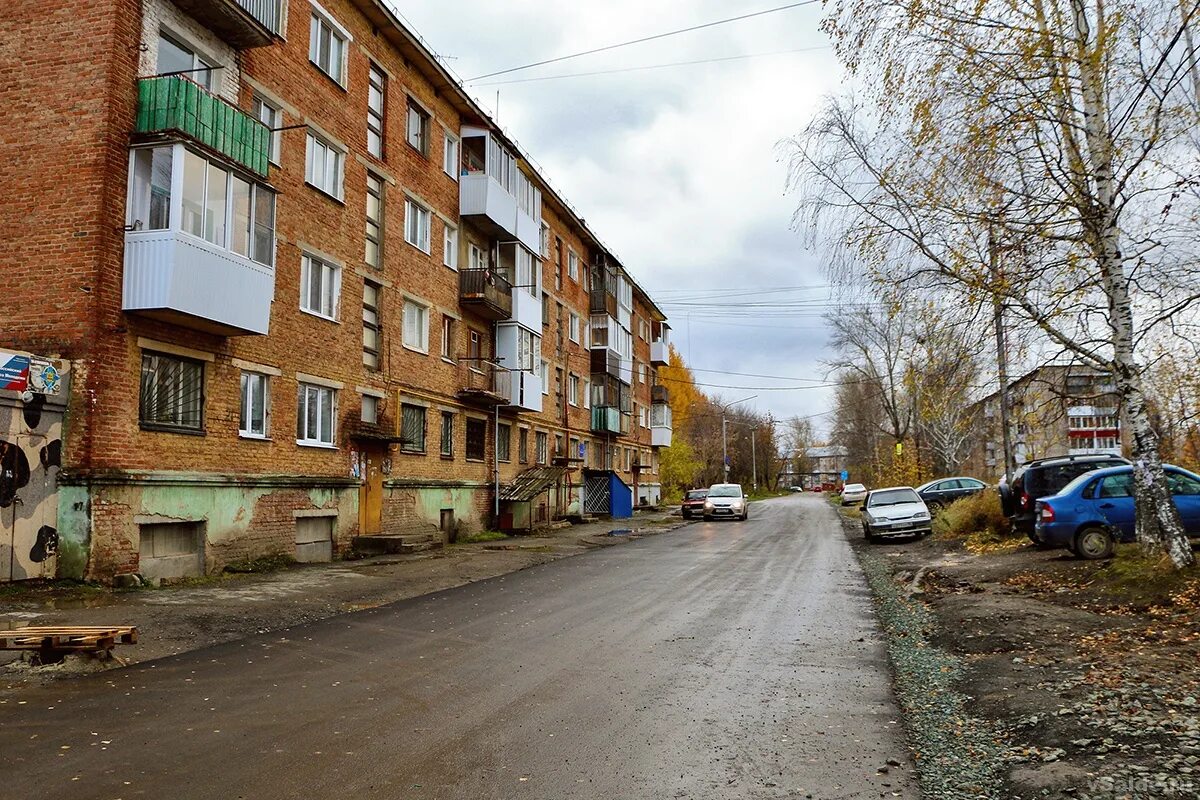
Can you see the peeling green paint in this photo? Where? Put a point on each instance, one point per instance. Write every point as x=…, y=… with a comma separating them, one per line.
x=74, y=531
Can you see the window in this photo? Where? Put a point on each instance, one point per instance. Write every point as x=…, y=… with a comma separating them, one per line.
x=450, y=247
x=587, y=393
x=255, y=400
x=573, y=390
x=545, y=248
x=269, y=114
x=1117, y=486
x=323, y=166
x=541, y=445
x=527, y=346
x=150, y=189
x=476, y=258
x=374, y=230
x=376, y=104
x=447, y=337
x=573, y=328
x=545, y=309
x=523, y=445
x=174, y=57
x=572, y=447
x=416, y=225
x=1181, y=484
x=476, y=439
x=370, y=409
x=447, y=449
x=418, y=128
x=573, y=265
x=320, y=284
x=544, y=374
x=412, y=428
x=314, y=415
x=371, y=324
x=475, y=351
x=172, y=393
x=222, y=207
x=327, y=47
x=504, y=442
x=450, y=156
x=558, y=446
x=416, y=326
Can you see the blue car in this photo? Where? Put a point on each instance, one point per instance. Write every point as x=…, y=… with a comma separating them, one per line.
x=1095, y=510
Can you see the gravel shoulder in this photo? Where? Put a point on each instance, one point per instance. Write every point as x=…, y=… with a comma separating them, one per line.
x=178, y=619
x=1063, y=680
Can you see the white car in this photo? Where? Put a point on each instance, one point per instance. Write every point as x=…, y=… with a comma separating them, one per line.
x=726, y=500
x=897, y=511
x=853, y=493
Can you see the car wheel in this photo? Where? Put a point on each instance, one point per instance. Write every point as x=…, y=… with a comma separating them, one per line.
x=707, y=518
x=687, y=515
x=1093, y=543
x=935, y=506
x=745, y=516
x=870, y=537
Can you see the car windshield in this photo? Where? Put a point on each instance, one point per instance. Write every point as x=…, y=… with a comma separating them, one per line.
x=854, y=487
x=925, y=486
x=893, y=497
x=725, y=491
x=698, y=494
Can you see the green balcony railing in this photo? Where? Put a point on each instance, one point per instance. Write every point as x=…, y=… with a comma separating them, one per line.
x=175, y=104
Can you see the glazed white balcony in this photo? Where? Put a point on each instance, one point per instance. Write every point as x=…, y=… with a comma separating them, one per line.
x=494, y=193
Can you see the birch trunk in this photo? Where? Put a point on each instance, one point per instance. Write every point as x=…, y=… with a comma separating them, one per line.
x=1158, y=525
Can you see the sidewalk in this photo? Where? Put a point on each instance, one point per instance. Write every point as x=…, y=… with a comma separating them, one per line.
x=222, y=608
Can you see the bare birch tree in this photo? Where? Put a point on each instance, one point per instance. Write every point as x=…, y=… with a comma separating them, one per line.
x=1036, y=152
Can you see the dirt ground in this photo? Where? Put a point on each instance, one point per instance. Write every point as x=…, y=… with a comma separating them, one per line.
x=1088, y=672
x=177, y=619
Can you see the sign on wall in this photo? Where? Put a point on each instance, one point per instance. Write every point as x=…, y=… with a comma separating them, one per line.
x=25, y=373
x=14, y=372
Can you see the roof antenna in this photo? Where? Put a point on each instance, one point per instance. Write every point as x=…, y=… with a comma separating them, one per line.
x=497, y=105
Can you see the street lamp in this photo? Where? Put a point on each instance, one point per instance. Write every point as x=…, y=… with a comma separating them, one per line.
x=724, y=437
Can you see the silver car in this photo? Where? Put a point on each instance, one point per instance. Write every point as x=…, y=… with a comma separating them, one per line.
x=726, y=500
x=853, y=493
x=897, y=511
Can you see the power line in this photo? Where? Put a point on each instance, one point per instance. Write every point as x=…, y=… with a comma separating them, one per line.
x=643, y=39
x=655, y=66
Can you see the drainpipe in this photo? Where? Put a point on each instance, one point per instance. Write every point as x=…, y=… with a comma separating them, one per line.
x=496, y=463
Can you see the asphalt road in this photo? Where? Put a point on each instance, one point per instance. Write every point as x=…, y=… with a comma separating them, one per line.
x=722, y=660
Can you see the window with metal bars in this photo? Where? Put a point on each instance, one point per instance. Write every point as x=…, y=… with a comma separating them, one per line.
x=412, y=428
x=448, y=433
x=172, y=393
x=504, y=443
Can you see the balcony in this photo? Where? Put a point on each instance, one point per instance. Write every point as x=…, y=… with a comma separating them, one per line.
x=606, y=362
x=606, y=419
x=178, y=278
x=660, y=353
x=660, y=395
x=527, y=310
x=660, y=425
x=487, y=293
x=241, y=23
x=173, y=105
x=524, y=391
x=494, y=194
x=482, y=384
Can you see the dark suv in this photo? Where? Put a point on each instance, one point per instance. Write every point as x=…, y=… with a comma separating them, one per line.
x=1043, y=478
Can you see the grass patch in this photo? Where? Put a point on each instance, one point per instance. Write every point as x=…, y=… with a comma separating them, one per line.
x=1148, y=579
x=482, y=536
x=850, y=512
x=978, y=515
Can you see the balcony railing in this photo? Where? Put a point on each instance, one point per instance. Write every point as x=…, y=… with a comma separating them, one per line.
x=488, y=292
x=606, y=419
x=481, y=383
x=241, y=23
x=173, y=104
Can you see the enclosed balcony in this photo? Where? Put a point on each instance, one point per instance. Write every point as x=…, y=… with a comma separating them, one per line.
x=486, y=292
x=199, y=243
x=660, y=425
x=177, y=107
x=241, y=23
x=603, y=291
x=524, y=391
x=660, y=345
x=606, y=419
x=660, y=395
x=494, y=193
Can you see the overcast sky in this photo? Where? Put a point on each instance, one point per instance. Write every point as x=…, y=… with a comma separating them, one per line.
x=676, y=169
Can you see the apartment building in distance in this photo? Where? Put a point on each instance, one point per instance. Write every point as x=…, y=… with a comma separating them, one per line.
x=1054, y=410
x=276, y=284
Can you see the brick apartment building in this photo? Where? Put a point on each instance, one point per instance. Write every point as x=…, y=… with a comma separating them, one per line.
x=1054, y=410
x=273, y=281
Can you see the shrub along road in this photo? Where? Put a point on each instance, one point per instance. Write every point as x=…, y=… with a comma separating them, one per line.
x=722, y=660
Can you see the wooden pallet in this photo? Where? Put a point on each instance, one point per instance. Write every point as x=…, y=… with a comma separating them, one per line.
x=74, y=638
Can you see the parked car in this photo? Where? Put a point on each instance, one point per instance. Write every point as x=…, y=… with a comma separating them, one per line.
x=726, y=500
x=1094, y=511
x=897, y=511
x=797, y=489
x=693, y=502
x=944, y=491
x=853, y=493
x=1043, y=478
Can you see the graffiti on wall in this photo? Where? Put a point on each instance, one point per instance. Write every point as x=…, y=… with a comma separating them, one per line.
x=30, y=459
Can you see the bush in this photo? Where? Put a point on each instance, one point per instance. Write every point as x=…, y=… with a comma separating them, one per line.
x=977, y=514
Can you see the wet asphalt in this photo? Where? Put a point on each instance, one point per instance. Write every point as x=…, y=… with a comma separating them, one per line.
x=721, y=660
